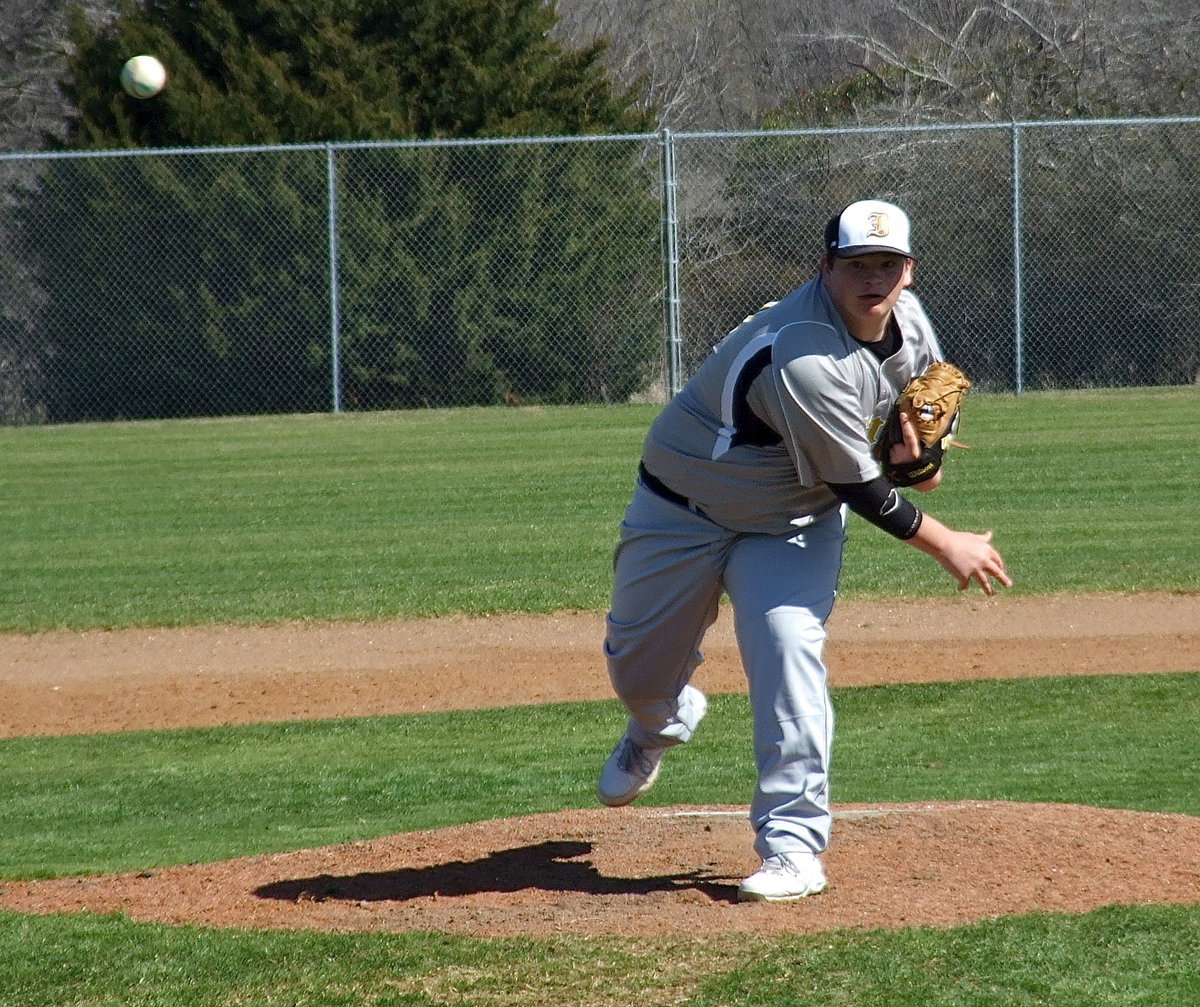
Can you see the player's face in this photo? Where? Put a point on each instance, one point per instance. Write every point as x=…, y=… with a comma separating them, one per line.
x=866, y=288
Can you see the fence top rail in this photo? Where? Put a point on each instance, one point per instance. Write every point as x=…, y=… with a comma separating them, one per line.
x=1017, y=124
x=350, y=145
x=275, y=148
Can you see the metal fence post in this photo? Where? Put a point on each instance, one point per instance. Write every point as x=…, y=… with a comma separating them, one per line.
x=1018, y=281
x=670, y=224
x=335, y=313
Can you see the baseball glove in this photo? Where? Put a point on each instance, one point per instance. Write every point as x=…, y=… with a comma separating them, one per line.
x=932, y=401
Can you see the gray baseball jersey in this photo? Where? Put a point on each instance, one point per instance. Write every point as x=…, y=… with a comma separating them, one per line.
x=822, y=395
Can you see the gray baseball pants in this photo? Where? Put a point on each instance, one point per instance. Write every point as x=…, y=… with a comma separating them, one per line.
x=671, y=567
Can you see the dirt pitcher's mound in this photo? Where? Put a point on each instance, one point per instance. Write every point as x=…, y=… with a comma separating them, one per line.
x=670, y=870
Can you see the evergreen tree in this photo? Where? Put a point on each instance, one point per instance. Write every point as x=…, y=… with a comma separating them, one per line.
x=287, y=71
x=194, y=283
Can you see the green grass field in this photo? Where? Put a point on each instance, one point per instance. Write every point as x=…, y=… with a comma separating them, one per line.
x=364, y=516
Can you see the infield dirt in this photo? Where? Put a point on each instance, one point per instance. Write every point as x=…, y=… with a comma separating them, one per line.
x=630, y=870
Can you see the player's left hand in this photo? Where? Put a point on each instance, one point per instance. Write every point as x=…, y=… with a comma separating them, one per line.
x=968, y=557
x=909, y=450
x=973, y=558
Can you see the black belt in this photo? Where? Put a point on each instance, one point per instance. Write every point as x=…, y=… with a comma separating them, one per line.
x=659, y=488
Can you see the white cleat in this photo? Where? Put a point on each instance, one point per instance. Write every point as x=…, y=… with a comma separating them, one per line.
x=632, y=768
x=784, y=876
x=629, y=772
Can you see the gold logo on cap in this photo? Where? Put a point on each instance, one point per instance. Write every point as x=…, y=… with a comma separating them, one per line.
x=879, y=225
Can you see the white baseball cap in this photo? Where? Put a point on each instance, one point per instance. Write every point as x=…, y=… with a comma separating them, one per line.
x=869, y=225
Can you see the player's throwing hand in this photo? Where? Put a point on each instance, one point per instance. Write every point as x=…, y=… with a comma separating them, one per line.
x=965, y=555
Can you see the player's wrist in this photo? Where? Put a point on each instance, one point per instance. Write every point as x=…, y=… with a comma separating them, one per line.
x=933, y=538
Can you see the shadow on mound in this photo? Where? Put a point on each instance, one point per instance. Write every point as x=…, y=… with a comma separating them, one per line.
x=548, y=866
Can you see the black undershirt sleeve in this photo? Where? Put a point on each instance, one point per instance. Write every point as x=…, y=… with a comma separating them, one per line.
x=878, y=502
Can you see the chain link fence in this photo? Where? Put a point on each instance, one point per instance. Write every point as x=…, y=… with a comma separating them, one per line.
x=226, y=281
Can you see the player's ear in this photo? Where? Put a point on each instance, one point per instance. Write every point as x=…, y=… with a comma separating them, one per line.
x=910, y=272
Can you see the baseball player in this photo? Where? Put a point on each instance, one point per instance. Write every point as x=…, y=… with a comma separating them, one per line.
x=743, y=489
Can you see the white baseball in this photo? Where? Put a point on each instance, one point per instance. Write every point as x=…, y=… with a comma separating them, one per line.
x=143, y=76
